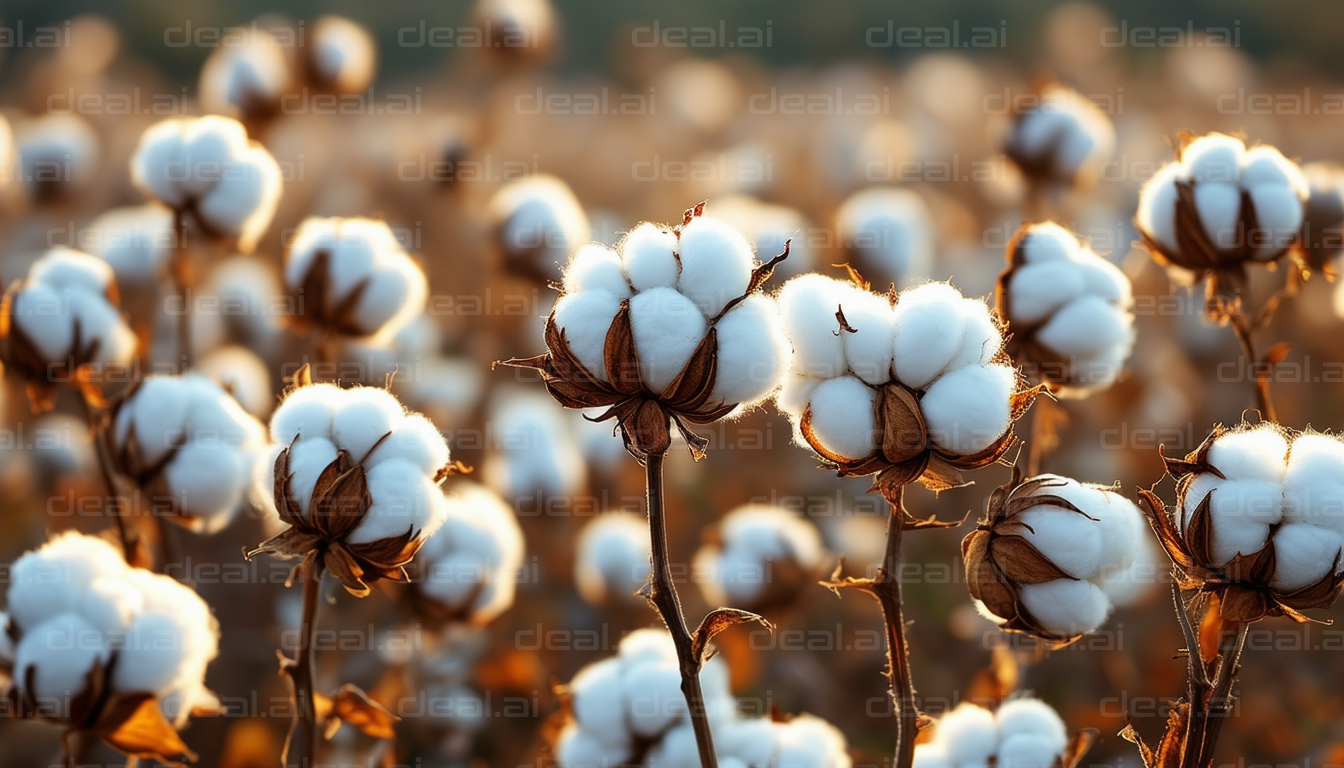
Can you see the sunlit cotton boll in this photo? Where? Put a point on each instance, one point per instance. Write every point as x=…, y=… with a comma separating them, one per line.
x=246, y=77
x=764, y=558
x=471, y=566
x=135, y=240
x=57, y=155
x=1023, y=733
x=206, y=166
x=538, y=223
x=340, y=54
x=536, y=454
x=354, y=276
x=612, y=561
x=1061, y=137
x=888, y=235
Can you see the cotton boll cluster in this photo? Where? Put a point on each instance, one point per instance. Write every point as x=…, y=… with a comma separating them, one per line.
x=1222, y=204
x=888, y=235
x=612, y=561
x=57, y=156
x=763, y=559
x=1051, y=554
x=1323, y=220
x=919, y=384
x=340, y=55
x=207, y=167
x=802, y=741
x=538, y=223
x=190, y=445
x=1067, y=308
x=352, y=277
x=1062, y=138
x=469, y=570
x=1260, y=514
x=370, y=524
x=246, y=78
x=536, y=455
x=135, y=240
x=768, y=226
x=1022, y=733
x=64, y=316
x=75, y=607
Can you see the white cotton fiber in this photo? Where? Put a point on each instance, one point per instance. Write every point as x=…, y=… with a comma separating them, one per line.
x=1253, y=454
x=1068, y=539
x=414, y=439
x=61, y=651
x=306, y=413
x=930, y=326
x=1065, y=607
x=652, y=695
x=982, y=338
x=667, y=327
x=1214, y=158
x=1219, y=207
x=578, y=748
x=598, y=705
x=307, y=459
x=1278, y=215
x=716, y=263
x=404, y=499
x=967, y=410
x=648, y=253
x=931, y=755
x=967, y=734
x=1250, y=501
x=1038, y=289
x=1156, y=213
x=1033, y=717
x=1303, y=554
x=585, y=319
x=1087, y=327
x=843, y=417
x=868, y=348
x=1267, y=165
x=1027, y=751
x=596, y=267
x=808, y=304
x=365, y=415
x=753, y=351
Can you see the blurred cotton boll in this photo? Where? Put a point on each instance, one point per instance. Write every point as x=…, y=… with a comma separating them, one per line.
x=887, y=234
x=1060, y=137
x=1023, y=733
x=245, y=78
x=612, y=561
x=536, y=455
x=537, y=223
x=767, y=226
x=763, y=559
x=1323, y=221
x=242, y=374
x=57, y=156
x=340, y=55
x=135, y=240
x=518, y=31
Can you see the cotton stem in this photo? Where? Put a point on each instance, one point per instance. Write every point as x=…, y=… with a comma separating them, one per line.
x=887, y=589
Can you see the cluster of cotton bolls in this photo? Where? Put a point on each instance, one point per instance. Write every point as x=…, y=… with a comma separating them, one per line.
x=136, y=240
x=190, y=444
x=57, y=155
x=64, y=315
x=207, y=167
x=536, y=456
x=538, y=222
x=354, y=277
x=763, y=557
x=1061, y=136
x=1248, y=204
x=932, y=340
x=1067, y=308
x=612, y=560
x=888, y=233
x=471, y=566
x=1021, y=733
x=1082, y=543
x=75, y=606
x=678, y=284
x=1265, y=489
x=630, y=709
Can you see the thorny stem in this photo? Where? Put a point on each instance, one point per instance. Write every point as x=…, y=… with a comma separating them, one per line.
x=105, y=469
x=663, y=595
x=301, y=748
x=887, y=589
x=1241, y=326
x=180, y=268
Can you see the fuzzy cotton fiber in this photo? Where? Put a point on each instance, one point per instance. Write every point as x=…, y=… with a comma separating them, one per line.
x=341, y=54
x=1065, y=137
x=1074, y=304
x=402, y=454
x=364, y=256
x=208, y=166
x=247, y=76
x=1023, y=733
x=188, y=439
x=136, y=240
x=57, y=155
x=537, y=455
x=75, y=603
x=678, y=283
x=612, y=561
x=471, y=566
x=68, y=300
x=933, y=341
x=1225, y=175
x=890, y=232
x=761, y=548
x=539, y=221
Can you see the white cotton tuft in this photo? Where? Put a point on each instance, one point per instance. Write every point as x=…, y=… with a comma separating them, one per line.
x=59, y=652
x=1253, y=454
x=135, y=240
x=1278, y=215
x=594, y=267
x=1027, y=751
x=868, y=349
x=1215, y=157
x=539, y=222
x=1219, y=208
x=843, y=417
x=1037, y=290
x=1156, y=215
x=1303, y=554
x=306, y=412
x=753, y=351
x=414, y=439
x=667, y=327
x=649, y=255
x=652, y=694
x=365, y=416
x=578, y=748
x=1313, y=485
x=1032, y=717
x=1068, y=539
x=891, y=231
x=405, y=500
x=930, y=327
x=967, y=410
x=598, y=703
x=1066, y=607
x=54, y=578
x=931, y=755
x=808, y=304
x=716, y=264
x=585, y=319
x=612, y=559
x=967, y=734
x=1088, y=327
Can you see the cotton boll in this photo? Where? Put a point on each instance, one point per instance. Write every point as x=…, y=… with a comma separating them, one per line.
x=364, y=416
x=1037, y=290
x=930, y=326
x=1122, y=530
x=931, y=755
x=71, y=269
x=750, y=740
x=1303, y=554
x=456, y=580
x=404, y=499
x=1156, y=215
x=585, y=319
x=109, y=604
x=159, y=149
x=395, y=295
x=152, y=656
x=1233, y=535
x=596, y=267
x=967, y=410
x=653, y=698
x=306, y=413
x=648, y=254
x=1214, y=158
x=157, y=414
x=1064, y=606
x=597, y=702
x=1254, y=454
x=1104, y=279
x=807, y=741
x=667, y=328
x=868, y=348
x=1069, y=540
x=208, y=144
x=612, y=558
x=307, y=459
x=414, y=439
x=1032, y=717
x=1027, y=751
x=1278, y=215
x=675, y=749
x=243, y=203
x=55, y=578
x=1267, y=165
x=1087, y=327
x=577, y=748
x=648, y=645
x=538, y=222
x=36, y=310
x=60, y=652
x=246, y=75
x=208, y=482
x=808, y=304
x=1312, y=494
x=716, y=264
x=1049, y=242
x=1219, y=207
x=967, y=734
x=49, y=142
x=753, y=352
x=342, y=54
x=843, y=417
x=794, y=394
x=891, y=230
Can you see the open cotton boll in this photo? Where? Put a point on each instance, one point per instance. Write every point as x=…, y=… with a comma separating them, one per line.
x=649, y=256
x=1156, y=214
x=59, y=652
x=753, y=351
x=842, y=416
x=157, y=414
x=868, y=349
x=538, y=222
x=1303, y=554
x=808, y=304
x=109, y=605
x=55, y=578
x=208, y=482
x=1253, y=454
x=930, y=327
x=981, y=341
x=890, y=230
x=364, y=415
x=1032, y=717
x=1219, y=208
x=537, y=454
x=1027, y=751
x=598, y=704
x=596, y=267
x=967, y=410
x=49, y=142
x=245, y=76
x=395, y=295
x=404, y=500
x=1086, y=327
x=795, y=392
x=585, y=319
x=1267, y=165
x=414, y=439
x=807, y=741
x=1215, y=157
x=667, y=327
x=968, y=734
x=135, y=241
x=1312, y=489
x=750, y=740
x=716, y=264
x=66, y=268
x=578, y=748
x=653, y=697
x=480, y=544
x=244, y=200
x=648, y=645
x=1247, y=501
x=341, y=54
x=306, y=412
x=307, y=459
x=613, y=557
x=1066, y=607
x=1069, y=540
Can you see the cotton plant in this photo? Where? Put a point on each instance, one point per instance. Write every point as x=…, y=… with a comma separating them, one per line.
x=1021, y=733
x=106, y=651
x=137, y=240
x=188, y=445
x=62, y=324
x=468, y=572
x=1051, y=554
x=611, y=560
x=1059, y=138
x=340, y=56
x=888, y=234
x=760, y=558
x=1069, y=310
x=56, y=156
x=537, y=223
x=246, y=79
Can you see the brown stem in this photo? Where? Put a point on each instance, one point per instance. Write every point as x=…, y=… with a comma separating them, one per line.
x=180, y=268
x=1210, y=701
x=167, y=541
x=1241, y=326
x=662, y=594
x=124, y=533
x=301, y=747
x=887, y=589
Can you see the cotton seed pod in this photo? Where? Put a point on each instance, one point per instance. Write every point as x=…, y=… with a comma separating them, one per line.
x=57, y=156
x=207, y=169
x=670, y=328
x=1068, y=310
x=1059, y=137
x=887, y=234
x=914, y=385
x=356, y=478
x=537, y=223
x=246, y=78
x=340, y=56
x=1221, y=206
x=106, y=650
x=612, y=561
x=351, y=277
x=1323, y=221
x=1022, y=733
x=136, y=240
x=761, y=559
x=1258, y=521
x=468, y=572
x=62, y=320
x=1050, y=554
x=189, y=445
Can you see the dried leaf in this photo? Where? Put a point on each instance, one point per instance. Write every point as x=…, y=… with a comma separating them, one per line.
x=352, y=706
x=718, y=620
x=148, y=735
